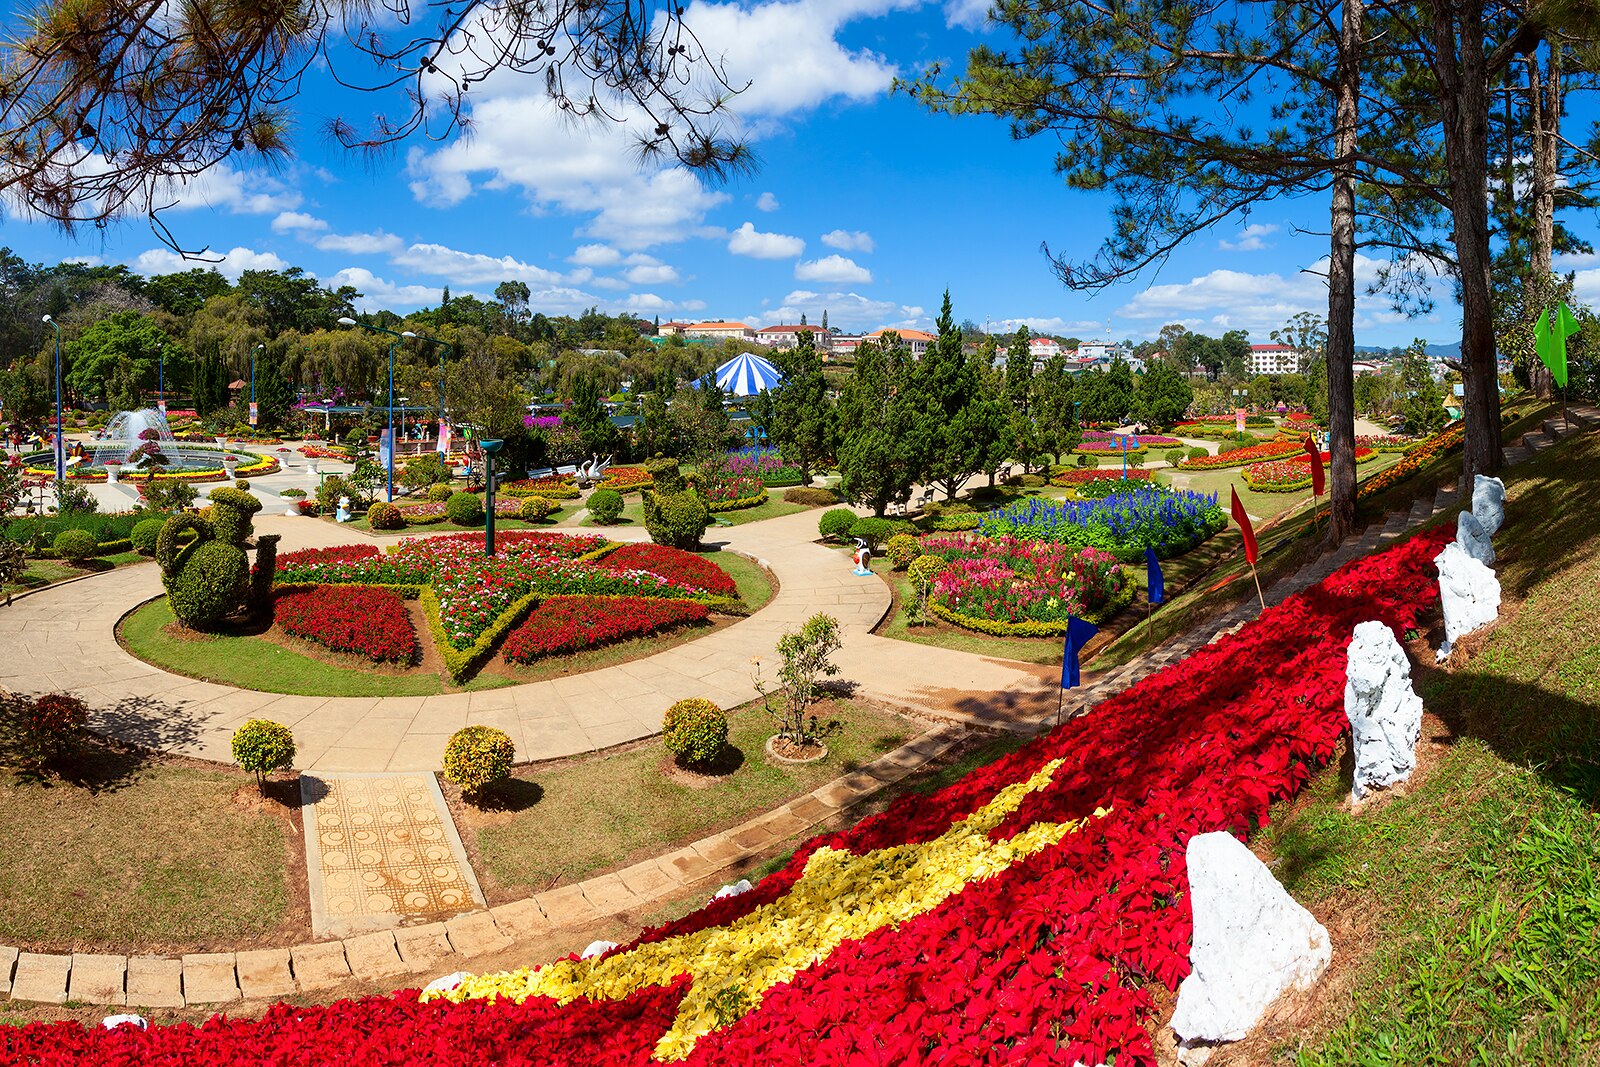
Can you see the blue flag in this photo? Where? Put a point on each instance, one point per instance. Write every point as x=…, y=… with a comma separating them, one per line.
x=1079, y=633
x=1154, y=578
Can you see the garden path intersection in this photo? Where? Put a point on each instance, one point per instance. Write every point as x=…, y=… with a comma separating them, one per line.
x=63, y=639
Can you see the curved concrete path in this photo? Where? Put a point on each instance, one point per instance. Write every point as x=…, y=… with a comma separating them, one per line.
x=62, y=639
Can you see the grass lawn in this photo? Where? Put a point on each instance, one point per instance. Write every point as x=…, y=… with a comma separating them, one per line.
x=1480, y=890
x=774, y=507
x=359, y=522
x=42, y=572
x=1259, y=505
x=584, y=816
x=158, y=858
x=632, y=513
x=252, y=662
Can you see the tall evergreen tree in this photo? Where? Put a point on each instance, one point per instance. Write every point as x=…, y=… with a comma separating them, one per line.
x=1054, y=407
x=1019, y=397
x=970, y=422
x=799, y=417
x=883, y=428
x=1421, y=399
x=589, y=418
x=1164, y=395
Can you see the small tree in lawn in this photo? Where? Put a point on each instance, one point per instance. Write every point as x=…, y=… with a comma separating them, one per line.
x=262, y=746
x=807, y=659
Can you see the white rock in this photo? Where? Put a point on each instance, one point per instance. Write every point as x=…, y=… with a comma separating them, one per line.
x=111, y=1022
x=1469, y=592
x=1384, y=710
x=1489, y=502
x=741, y=886
x=1252, y=943
x=445, y=984
x=597, y=948
x=1473, y=538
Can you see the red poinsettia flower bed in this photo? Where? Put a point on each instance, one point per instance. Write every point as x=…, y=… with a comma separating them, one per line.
x=1238, y=457
x=1095, y=474
x=572, y=623
x=364, y=621
x=1044, y=963
x=673, y=564
x=307, y=557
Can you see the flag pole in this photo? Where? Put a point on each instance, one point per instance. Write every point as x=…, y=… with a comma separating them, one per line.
x=1149, y=619
x=1261, y=596
x=1061, y=696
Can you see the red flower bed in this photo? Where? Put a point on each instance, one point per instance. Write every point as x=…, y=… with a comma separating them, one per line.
x=673, y=564
x=566, y=546
x=572, y=623
x=363, y=621
x=1276, y=449
x=306, y=557
x=624, y=479
x=1046, y=962
x=1095, y=474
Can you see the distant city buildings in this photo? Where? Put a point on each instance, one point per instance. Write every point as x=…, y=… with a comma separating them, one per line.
x=915, y=340
x=789, y=336
x=1274, y=359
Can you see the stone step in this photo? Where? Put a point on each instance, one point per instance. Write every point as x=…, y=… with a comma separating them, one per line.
x=1537, y=441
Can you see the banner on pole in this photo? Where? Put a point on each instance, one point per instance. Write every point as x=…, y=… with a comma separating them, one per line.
x=1238, y=420
x=1550, y=341
x=1079, y=633
x=385, y=447
x=1241, y=517
x=444, y=438
x=254, y=413
x=1154, y=579
x=1318, y=481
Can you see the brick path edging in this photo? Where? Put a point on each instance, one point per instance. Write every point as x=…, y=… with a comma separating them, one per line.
x=271, y=973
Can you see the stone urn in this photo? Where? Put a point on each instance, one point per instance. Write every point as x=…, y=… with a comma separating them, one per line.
x=113, y=469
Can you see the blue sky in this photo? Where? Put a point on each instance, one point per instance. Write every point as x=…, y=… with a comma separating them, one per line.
x=864, y=205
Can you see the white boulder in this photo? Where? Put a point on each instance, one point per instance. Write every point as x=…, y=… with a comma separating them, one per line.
x=1384, y=710
x=1489, y=502
x=597, y=948
x=1469, y=592
x=1251, y=944
x=735, y=889
x=446, y=983
x=1473, y=538
x=111, y=1022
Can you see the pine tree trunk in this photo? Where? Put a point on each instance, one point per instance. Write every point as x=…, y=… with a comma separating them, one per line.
x=1464, y=107
x=1341, y=353
x=1544, y=122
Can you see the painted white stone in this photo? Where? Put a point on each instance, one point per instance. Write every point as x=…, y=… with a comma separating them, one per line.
x=597, y=948
x=1251, y=944
x=1469, y=592
x=741, y=886
x=111, y=1022
x=1473, y=538
x=446, y=983
x=1384, y=710
x=1489, y=502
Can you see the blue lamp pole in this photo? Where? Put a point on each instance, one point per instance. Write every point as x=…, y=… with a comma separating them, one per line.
x=61, y=454
x=398, y=337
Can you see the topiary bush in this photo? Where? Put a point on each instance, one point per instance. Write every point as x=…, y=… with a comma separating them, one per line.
x=144, y=535
x=382, y=516
x=231, y=510
x=536, y=509
x=464, y=509
x=1196, y=452
x=52, y=725
x=1174, y=456
x=1086, y=460
x=835, y=524
x=605, y=505
x=674, y=513
x=439, y=492
x=476, y=757
x=695, y=731
x=263, y=746
x=209, y=580
x=811, y=498
x=666, y=475
x=75, y=545
x=923, y=569
x=873, y=531
x=901, y=550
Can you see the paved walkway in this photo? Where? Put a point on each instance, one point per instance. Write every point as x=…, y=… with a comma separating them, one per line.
x=62, y=639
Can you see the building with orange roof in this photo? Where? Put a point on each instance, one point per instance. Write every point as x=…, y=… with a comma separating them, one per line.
x=718, y=331
x=788, y=336
x=916, y=340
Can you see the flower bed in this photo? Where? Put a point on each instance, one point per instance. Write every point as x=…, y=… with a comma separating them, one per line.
x=1442, y=443
x=1292, y=474
x=572, y=623
x=555, y=486
x=673, y=564
x=1387, y=443
x=1025, y=588
x=42, y=464
x=319, y=452
x=1125, y=522
x=727, y=480
x=1017, y=916
x=626, y=479
x=766, y=464
x=1275, y=449
x=1095, y=474
x=428, y=512
x=1099, y=443
x=367, y=622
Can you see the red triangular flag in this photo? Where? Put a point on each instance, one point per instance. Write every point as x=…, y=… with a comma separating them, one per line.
x=1245, y=528
x=1318, y=482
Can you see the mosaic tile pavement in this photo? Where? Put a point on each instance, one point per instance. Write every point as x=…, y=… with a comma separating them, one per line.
x=382, y=851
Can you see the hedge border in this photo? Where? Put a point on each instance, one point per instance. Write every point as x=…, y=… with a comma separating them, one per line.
x=994, y=628
x=740, y=504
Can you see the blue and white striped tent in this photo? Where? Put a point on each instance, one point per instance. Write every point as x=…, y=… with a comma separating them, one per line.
x=746, y=375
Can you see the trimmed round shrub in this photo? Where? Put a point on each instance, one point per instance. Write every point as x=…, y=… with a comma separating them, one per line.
x=262, y=746
x=605, y=505
x=1086, y=460
x=901, y=550
x=464, y=509
x=873, y=531
x=476, y=757
x=242, y=483
x=923, y=569
x=52, y=725
x=536, y=509
x=439, y=492
x=695, y=731
x=382, y=516
x=1196, y=452
x=144, y=535
x=1174, y=456
x=1031, y=481
x=835, y=523
x=76, y=545
x=678, y=519
x=810, y=497
x=210, y=585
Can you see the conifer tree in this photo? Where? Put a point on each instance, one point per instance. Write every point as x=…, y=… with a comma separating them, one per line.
x=883, y=427
x=798, y=416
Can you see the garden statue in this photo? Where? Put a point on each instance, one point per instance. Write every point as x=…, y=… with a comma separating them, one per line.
x=863, y=559
x=674, y=512
x=209, y=579
x=343, y=514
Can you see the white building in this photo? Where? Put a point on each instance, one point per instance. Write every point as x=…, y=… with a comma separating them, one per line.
x=1274, y=359
x=720, y=330
x=1096, y=350
x=789, y=336
x=1042, y=348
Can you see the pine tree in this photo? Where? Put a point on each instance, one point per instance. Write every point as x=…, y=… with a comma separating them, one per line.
x=1019, y=397
x=589, y=418
x=1054, y=407
x=882, y=427
x=971, y=423
x=1422, y=401
x=1164, y=395
x=799, y=417
x=274, y=394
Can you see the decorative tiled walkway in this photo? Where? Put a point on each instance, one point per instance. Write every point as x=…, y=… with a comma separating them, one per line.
x=382, y=851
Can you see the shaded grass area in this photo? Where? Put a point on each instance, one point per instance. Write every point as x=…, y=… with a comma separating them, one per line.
x=588, y=815
x=774, y=507
x=42, y=572
x=127, y=855
x=359, y=522
x=1481, y=885
x=1259, y=505
x=253, y=662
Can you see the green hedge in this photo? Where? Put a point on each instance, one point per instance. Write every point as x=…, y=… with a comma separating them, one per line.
x=740, y=504
x=462, y=661
x=1031, y=629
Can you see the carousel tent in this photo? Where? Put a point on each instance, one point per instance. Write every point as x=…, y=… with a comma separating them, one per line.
x=746, y=375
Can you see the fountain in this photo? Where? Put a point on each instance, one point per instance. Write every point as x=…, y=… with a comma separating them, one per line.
x=122, y=448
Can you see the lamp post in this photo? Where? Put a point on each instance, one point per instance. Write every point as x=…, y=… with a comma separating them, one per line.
x=398, y=337
x=253, y=352
x=403, y=402
x=61, y=455
x=490, y=447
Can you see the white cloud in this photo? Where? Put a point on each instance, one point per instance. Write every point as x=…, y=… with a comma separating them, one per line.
x=379, y=293
x=966, y=14
x=87, y=261
x=766, y=202
x=240, y=192
x=1250, y=238
x=748, y=241
x=652, y=275
x=1051, y=324
x=836, y=269
x=472, y=268
x=232, y=263
x=608, y=283
x=849, y=240
x=296, y=221
x=360, y=244
x=595, y=256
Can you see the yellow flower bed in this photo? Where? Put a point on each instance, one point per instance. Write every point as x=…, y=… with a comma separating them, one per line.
x=840, y=897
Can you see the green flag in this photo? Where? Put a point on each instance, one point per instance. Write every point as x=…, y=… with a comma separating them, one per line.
x=1550, y=341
